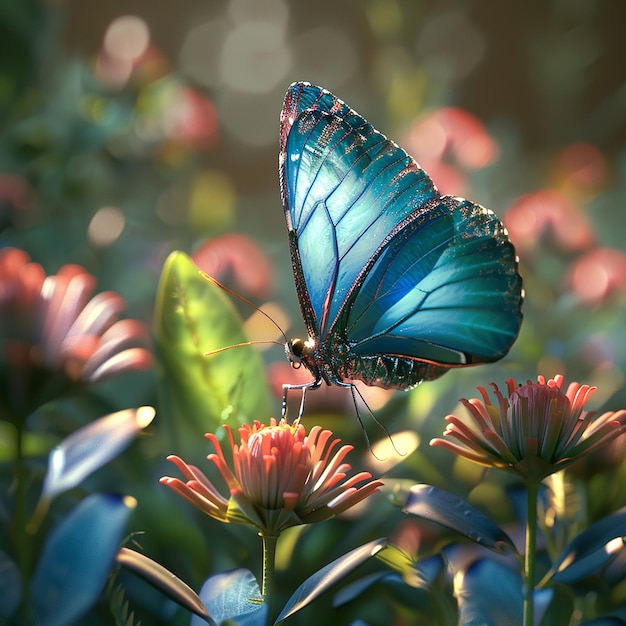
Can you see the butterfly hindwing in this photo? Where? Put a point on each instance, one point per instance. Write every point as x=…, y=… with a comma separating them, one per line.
x=443, y=288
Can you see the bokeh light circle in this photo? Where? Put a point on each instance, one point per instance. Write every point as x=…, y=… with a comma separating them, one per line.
x=255, y=57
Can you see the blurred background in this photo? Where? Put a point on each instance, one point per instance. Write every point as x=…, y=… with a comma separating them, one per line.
x=133, y=128
x=130, y=129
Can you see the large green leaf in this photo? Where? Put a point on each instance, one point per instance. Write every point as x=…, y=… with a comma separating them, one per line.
x=198, y=393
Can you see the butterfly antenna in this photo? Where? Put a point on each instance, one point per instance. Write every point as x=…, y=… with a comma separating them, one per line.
x=249, y=303
x=241, y=345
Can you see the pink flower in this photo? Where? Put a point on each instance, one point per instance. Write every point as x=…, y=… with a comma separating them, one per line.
x=598, y=274
x=54, y=335
x=548, y=212
x=447, y=141
x=278, y=477
x=536, y=431
x=237, y=257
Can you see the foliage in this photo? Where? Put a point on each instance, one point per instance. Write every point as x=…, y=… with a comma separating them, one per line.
x=131, y=176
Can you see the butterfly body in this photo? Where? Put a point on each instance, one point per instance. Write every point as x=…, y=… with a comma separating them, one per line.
x=397, y=284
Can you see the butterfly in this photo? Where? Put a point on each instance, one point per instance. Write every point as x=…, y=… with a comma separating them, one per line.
x=397, y=284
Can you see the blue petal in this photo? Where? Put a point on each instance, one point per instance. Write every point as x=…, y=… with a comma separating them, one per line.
x=77, y=557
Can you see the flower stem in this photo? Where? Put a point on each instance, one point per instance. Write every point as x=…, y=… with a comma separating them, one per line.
x=269, y=568
x=531, y=552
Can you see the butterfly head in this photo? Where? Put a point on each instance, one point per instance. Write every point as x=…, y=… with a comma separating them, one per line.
x=298, y=350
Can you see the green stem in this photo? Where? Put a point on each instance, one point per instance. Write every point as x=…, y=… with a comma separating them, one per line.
x=269, y=569
x=531, y=553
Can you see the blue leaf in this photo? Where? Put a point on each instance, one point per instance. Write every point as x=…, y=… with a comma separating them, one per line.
x=359, y=587
x=77, y=557
x=10, y=586
x=490, y=594
x=592, y=549
x=329, y=575
x=91, y=447
x=456, y=514
x=233, y=596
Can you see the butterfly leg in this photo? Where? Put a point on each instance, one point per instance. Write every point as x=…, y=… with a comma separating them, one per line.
x=356, y=395
x=304, y=388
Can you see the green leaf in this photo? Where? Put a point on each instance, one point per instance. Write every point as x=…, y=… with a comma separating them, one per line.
x=192, y=317
x=34, y=444
x=119, y=606
x=456, y=514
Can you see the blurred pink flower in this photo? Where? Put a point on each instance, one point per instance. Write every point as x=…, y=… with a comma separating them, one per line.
x=536, y=431
x=237, y=257
x=447, y=139
x=278, y=477
x=16, y=198
x=598, y=274
x=53, y=335
x=551, y=212
x=194, y=119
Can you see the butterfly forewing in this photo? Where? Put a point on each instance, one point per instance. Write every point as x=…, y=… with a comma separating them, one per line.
x=344, y=190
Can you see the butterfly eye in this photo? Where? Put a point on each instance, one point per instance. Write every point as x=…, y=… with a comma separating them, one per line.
x=295, y=350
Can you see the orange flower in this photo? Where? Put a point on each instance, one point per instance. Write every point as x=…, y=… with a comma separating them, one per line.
x=279, y=477
x=536, y=431
x=54, y=335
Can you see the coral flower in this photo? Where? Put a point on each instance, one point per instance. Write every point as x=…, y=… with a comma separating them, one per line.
x=536, y=431
x=54, y=335
x=279, y=477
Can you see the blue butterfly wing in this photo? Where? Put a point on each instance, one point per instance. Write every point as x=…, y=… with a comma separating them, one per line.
x=384, y=266
x=345, y=187
x=443, y=289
